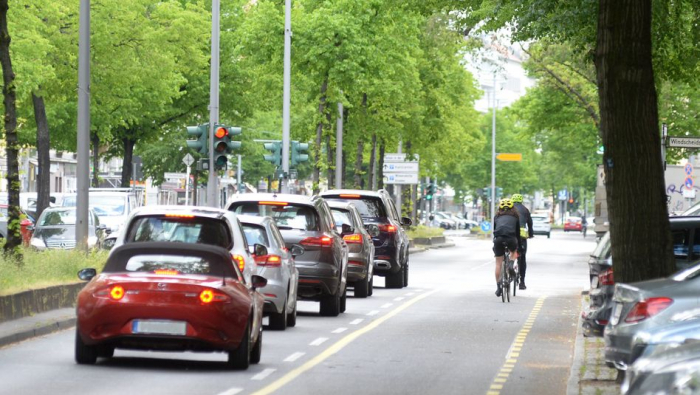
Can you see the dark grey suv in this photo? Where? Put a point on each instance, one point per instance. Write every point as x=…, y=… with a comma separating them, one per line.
x=307, y=222
x=391, y=242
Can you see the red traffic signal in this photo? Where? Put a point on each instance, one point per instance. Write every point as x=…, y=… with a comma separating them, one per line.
x=220, y=133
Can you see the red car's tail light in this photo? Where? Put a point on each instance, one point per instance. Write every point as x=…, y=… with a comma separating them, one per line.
x=117, y=292
x=269, y=260
x=606, y=277
x=355, y=263
x=238, y=260
x=207, y=296
x=356, y=238
x=647, y=309
x=322, y=241
x=387, y=228
x=273, y=203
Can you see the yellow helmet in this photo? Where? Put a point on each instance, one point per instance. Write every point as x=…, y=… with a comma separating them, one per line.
x=517, y=198
x=505, y=204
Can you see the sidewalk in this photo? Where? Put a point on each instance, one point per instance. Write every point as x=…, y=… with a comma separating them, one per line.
x=38, y=325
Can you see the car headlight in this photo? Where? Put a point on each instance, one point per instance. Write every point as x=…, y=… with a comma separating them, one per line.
x=37, y=243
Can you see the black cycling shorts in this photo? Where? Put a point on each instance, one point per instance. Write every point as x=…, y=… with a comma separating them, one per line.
x=511, y=242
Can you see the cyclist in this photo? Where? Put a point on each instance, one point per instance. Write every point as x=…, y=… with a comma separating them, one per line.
x=505, y=230
x=526, y=232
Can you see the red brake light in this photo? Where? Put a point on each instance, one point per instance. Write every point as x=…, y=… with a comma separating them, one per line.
x=606, y=277
x=323, y=241
x=350, y=196
x=206, y=296
x=180, y=215
x=117, y=292
x=647, y=309
x=387, y=228
x=273, y=260
x=356, y=238
x=238, y=260
x=166, y=272
x=265, y=203
x=220, y=133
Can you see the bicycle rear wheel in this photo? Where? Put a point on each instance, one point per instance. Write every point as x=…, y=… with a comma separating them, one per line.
x=516, y=279
x=504, y=270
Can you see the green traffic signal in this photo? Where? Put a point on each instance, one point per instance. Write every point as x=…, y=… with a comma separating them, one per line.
x=275, y=155
x=299, y=152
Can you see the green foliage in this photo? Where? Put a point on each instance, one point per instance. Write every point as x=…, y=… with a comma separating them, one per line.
x=424, y=231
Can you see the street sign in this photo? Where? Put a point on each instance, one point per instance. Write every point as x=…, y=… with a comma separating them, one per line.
x=689, y=183
x=401, y=178
x=563, y=195
x=174, y=176
x=485, y=226
x=688, y=169
x=399, y=158
x=509, y=157
x=188, y=160
x=683, y=142
x=401, y=167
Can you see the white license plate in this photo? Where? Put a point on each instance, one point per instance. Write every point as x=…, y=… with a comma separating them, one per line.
x=161, y=327
x=616, y=313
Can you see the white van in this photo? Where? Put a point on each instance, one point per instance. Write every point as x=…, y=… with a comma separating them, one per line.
x=112, y=206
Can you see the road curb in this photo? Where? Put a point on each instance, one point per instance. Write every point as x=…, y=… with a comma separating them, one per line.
x=573, y=386
x=39, y=330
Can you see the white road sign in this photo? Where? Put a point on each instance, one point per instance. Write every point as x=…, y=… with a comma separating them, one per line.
x=684, y=142
x=174, y=176
x=399, y=158
x=188, y=160
x=401, y=178
x=401, y=167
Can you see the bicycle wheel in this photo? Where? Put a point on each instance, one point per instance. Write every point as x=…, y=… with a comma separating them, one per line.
x=516, y=279
x=503, y=280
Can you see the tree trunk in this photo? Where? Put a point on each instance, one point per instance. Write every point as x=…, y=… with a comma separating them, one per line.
x=95, y=160
x=43, y=145
x=14, y=239
x=127, y=166
x=380, y=168
x=372, y=180
x=361, y=146
x=319, y=136
x=639, y=226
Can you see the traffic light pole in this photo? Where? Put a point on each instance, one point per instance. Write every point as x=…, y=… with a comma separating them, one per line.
x=212, y=184
x=286, y=94
x=493, y=159
x=83, y=166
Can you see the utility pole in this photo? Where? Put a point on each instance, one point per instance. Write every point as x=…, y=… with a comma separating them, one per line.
x=83, y=166
x=339, y=148
x=238, y=176
x=493, y=158
x=286, y=94
x=212, y=183
x=397, y=187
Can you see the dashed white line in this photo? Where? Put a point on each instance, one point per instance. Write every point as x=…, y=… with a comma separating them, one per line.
x=373, y=312
x=387, y=305
x=409, y=294
x=340, y=330
x=400, y=298
x=262, y=375
x=232, y=391
x=356, y=322
x=294, y=357
x=318, y=341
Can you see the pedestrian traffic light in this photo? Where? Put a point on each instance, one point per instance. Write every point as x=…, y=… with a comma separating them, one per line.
x=201, y=144
x=299, y=152
x=275, y=156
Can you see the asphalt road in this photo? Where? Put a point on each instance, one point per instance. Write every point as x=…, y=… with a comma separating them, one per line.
x=445, y=333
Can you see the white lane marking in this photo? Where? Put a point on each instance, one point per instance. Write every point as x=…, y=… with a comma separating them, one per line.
x=262, y=375
x=318, y=341
x=400, y=298
x=232, y=391
x=483, y=264
x=373, y=312
x=356, y=322
x=340, y=330
x=409, y=294
x=387, y=305
x=294, y=356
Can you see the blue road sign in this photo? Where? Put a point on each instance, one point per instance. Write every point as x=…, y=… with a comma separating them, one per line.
x=689, y=183
x=563, y=195
x=485, y=226
x=688, y=169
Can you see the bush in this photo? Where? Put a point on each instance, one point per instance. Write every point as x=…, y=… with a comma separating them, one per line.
x=424, y=231
x=46, y=268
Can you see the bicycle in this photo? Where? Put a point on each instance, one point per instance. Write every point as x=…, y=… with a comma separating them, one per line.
x=509, y=273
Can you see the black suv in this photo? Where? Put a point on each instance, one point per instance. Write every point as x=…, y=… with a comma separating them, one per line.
x=391, y=242
x=307, y=222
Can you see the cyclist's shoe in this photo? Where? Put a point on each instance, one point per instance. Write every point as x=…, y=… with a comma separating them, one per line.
x=522, y=285
x=499, y=290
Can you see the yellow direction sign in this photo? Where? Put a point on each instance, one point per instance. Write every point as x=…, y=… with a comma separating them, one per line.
x=510, y=157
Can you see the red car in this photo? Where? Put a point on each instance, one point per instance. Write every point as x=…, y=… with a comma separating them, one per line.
x=161, y=296
x=573, y=224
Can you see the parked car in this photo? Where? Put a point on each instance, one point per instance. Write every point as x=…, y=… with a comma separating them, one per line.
x=444, y=221
x=459, y=222
x=643, y=306
x=113, y=206
x=306, y=221
x=541, y=225
x=192, y=225
x=55, y=229
x=172, y=297
x=360, y=246
x=277, y=266
x=391, y=244
x=573, y=224
x=673, y=369
x=28, y=220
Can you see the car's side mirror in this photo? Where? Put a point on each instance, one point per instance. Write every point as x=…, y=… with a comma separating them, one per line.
x=297, y=250
x=101, y=227
x=87, y=274
x=405, y=221
x=258, y=281
x=108, y=244
x=346, y=229
x=259, y=250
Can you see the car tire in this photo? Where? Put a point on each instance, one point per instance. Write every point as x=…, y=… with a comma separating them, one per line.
x=256, y=353
x=362, y=288
x=405, y=273
x=278, y=321
x=330, y=305
x=239, y=359
x=292, y=317
x=395, y=280
x=370, y=286
x=344, y=300
x=84, y=354
x=105, y=351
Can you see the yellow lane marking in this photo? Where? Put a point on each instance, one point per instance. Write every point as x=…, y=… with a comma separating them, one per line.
x=339, y=345
x=514, y=351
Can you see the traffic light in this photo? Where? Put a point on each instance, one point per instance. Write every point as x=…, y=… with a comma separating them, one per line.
x=299, y=152
x=201, y=144
x=223, y=146
x=432, y=188
x=499, y=192
x=275, y=156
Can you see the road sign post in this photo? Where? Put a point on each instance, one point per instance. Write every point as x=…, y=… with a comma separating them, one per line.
x=187, y=160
